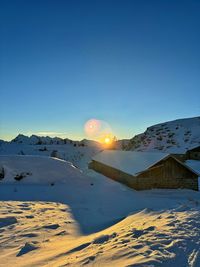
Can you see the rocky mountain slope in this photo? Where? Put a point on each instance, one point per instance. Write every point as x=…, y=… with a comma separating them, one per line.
x=174, y=137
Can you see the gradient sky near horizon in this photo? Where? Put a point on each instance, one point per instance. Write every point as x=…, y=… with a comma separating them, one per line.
x=129, y=63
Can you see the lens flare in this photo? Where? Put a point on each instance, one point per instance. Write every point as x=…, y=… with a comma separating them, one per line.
x=92, y=127
x=98, y=130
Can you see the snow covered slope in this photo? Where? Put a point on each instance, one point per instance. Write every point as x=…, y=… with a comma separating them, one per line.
x=79, y=155
x=172, y=137
x=39, y=170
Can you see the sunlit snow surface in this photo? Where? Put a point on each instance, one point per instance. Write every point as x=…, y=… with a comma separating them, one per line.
x=87, y=219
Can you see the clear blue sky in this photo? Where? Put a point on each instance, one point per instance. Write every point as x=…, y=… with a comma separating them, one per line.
x=131, y=63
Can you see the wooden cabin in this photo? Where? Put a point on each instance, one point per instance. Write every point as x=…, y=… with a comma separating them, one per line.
x=193, y=153
x=145, y=170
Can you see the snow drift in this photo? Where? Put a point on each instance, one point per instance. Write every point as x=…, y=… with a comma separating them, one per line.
x=38, y=170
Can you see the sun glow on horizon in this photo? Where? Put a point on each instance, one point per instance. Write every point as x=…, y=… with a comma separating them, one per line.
x=107, y=140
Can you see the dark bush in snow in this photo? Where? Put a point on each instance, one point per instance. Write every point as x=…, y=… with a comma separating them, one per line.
x=19, y=177
x=2, y=173
x=22, y=175
x=43, y=149
x=54, y=154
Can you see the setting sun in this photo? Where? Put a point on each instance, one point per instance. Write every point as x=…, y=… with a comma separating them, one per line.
x=107, y=140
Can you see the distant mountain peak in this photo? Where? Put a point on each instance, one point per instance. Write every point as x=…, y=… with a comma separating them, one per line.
x=47, y=140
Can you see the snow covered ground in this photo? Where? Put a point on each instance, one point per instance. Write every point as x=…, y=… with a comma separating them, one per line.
x=46, y=234
x=60, y=216
x=78, y=155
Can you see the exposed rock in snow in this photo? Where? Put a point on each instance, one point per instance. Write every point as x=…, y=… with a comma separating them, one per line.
x=172, y=137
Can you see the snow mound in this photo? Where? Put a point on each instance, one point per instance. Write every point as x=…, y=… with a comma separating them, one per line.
x=38, y=170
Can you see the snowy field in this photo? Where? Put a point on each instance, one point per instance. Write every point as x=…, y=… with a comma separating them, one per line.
x=57, y=215
x=78, y=155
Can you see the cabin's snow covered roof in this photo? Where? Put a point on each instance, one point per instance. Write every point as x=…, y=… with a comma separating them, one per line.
x=130, y=162
x=194, y=165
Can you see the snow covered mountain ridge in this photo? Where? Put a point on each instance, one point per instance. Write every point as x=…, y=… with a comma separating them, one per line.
x=46, y=140
x=77, y=152
x=172, y=137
